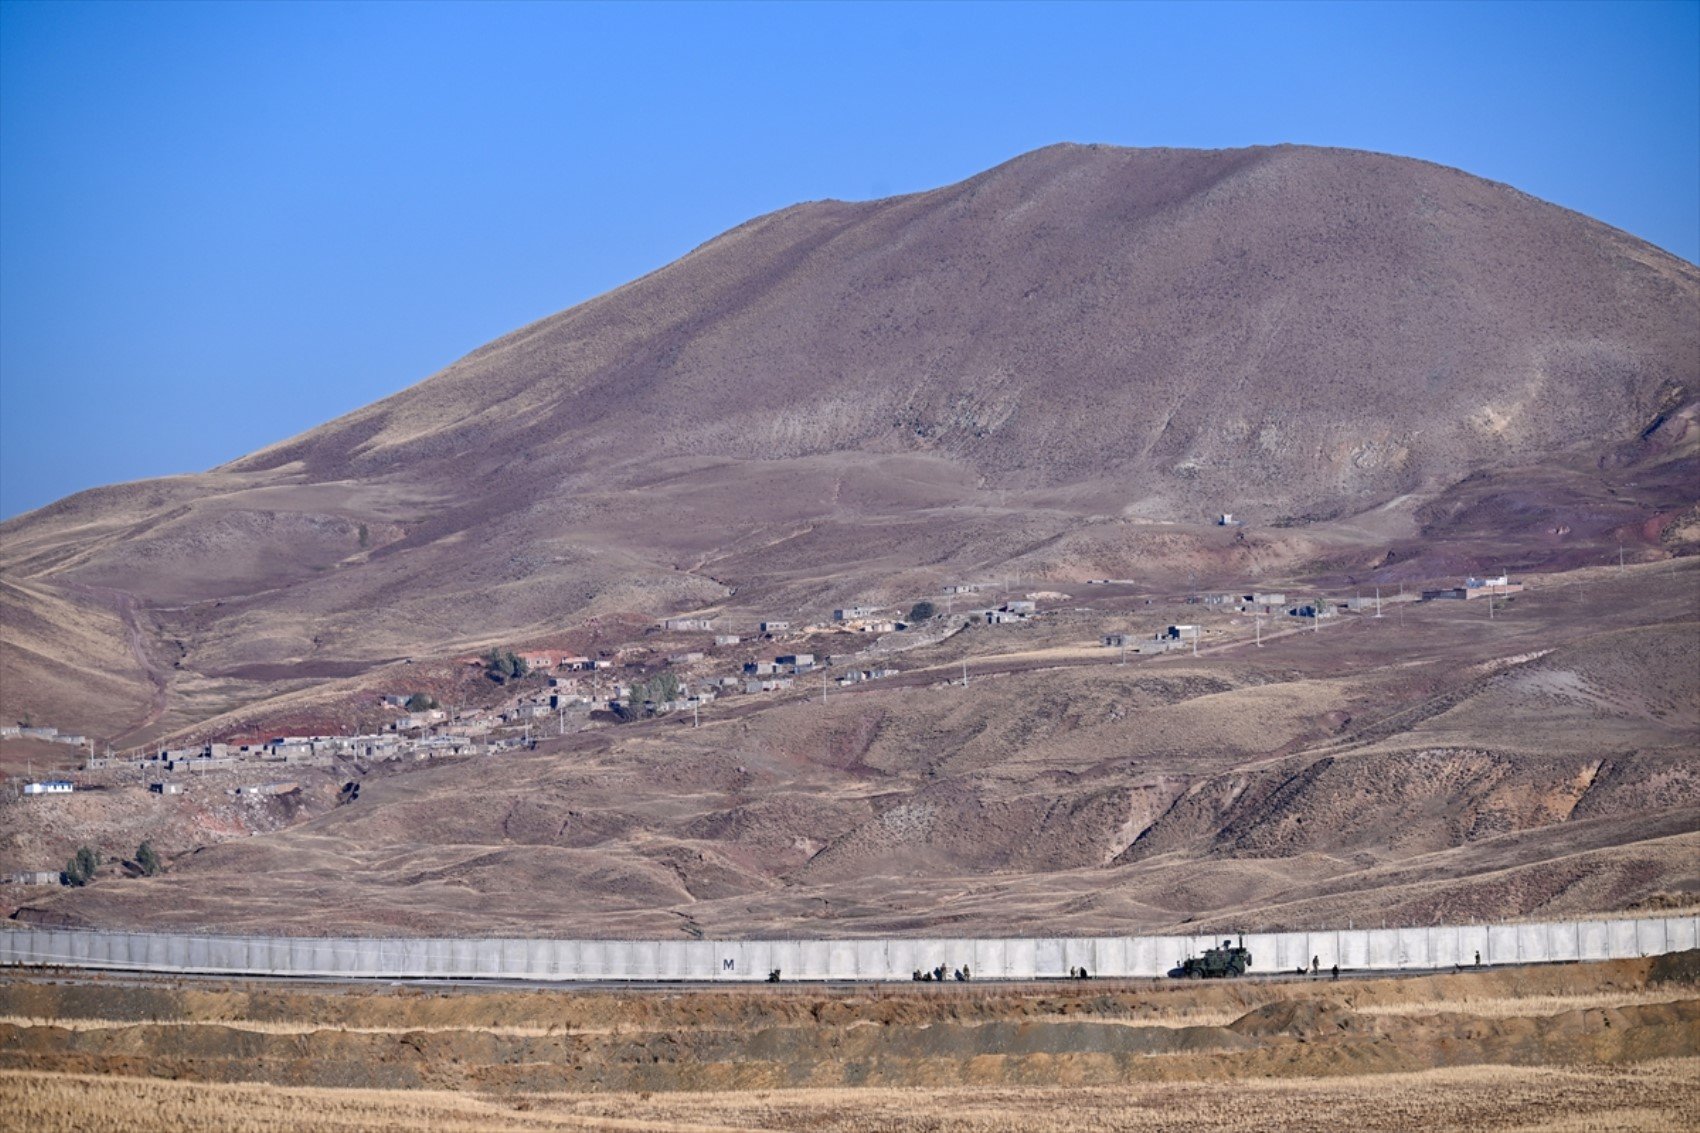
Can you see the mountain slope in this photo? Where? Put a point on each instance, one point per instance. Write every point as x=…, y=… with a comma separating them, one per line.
x=1062, y=366
x=1226, y=320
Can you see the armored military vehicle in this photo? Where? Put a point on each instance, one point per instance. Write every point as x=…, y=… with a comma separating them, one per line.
x=1216, y=963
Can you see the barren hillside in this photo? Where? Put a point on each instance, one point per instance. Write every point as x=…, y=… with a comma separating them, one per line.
x=1432, y=765
x=1064, y=366
x=1059, y=371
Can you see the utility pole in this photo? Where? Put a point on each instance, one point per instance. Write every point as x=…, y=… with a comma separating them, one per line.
x=1620, y=558
x=823, y=686
x=1257, y=620
x=1378, y=601
x=1124, y=651
x=964, y=672
x=696, y=716
x=1195, y=633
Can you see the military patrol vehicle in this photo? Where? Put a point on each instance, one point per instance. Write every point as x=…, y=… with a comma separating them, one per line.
x=1216, y=963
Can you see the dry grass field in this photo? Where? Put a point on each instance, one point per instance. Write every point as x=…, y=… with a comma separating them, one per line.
x=1655, y=1097
x=1611, y=1046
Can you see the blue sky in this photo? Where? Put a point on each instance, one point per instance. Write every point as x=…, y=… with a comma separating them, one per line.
x=221, y=224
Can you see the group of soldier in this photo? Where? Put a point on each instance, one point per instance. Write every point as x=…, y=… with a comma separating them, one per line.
x=941, y=974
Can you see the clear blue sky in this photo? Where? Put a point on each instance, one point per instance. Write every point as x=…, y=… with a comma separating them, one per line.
x=221, y=224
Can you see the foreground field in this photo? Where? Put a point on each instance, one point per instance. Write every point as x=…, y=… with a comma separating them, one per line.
x=1653, y=1096
x=1597, y=1046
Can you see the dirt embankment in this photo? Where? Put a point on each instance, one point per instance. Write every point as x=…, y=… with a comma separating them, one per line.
x=524, y=1042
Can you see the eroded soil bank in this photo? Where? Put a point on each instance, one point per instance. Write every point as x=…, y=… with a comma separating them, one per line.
x=897, y=1037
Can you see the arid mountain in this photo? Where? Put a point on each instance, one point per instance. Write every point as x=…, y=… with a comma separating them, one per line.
x=1057, y=371
x=1061, y=368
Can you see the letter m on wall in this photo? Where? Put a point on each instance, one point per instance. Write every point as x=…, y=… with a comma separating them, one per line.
x=728, y=964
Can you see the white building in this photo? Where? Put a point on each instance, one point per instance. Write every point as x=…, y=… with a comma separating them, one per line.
x=50, y=787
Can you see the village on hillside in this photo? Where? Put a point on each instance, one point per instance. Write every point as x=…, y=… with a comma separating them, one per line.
x=555, y=692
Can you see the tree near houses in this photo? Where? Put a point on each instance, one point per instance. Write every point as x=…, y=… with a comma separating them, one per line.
x=656, y=690
x=662, y=687
x=80, y=869
x=503, y=666
x=148, y=860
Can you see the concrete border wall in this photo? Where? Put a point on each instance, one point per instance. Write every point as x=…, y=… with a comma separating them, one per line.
x=867, y=960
